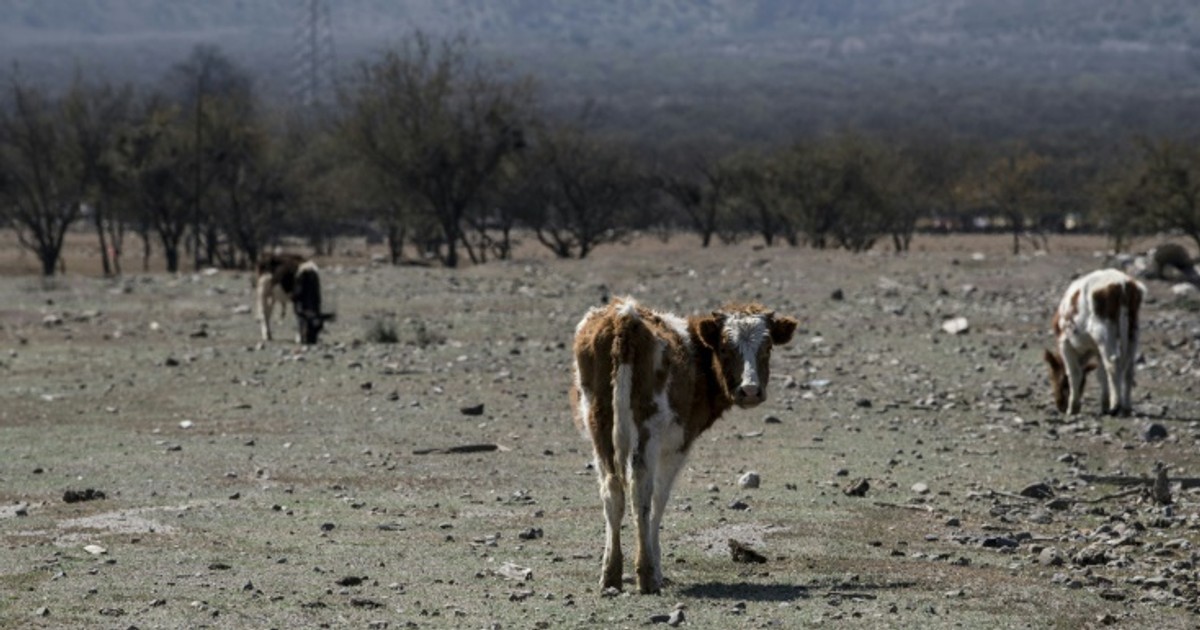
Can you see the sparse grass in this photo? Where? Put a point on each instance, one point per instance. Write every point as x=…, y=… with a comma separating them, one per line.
x=423, y=336
x=382, y=331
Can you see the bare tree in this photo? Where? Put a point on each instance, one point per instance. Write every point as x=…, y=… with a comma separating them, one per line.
x=94, y=117
x=699, y=189
x=43, y=187
x=1163, y=190
x=209, y=87
x=1011, y=184
x=153, y=162
x=588, y=192
x=438, y=127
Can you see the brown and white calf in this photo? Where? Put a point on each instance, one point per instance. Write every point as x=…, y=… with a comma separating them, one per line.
x=290, y=278
x=1096, y=319
x=647, y=384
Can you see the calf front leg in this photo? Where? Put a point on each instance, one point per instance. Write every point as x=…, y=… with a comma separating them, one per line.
x=612, y=493
x=266, y=304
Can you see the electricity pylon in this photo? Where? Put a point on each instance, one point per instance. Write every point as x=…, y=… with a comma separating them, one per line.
x=313, y=64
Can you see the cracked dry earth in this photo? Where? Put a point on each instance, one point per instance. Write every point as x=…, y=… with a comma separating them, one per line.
x=354, y=484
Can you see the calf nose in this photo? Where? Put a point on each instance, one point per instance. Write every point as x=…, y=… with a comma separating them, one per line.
x=750, y=392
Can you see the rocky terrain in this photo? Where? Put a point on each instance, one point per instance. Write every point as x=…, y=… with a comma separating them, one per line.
x=160, y=467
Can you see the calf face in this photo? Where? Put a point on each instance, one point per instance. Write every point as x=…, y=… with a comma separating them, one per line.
x=741, y=339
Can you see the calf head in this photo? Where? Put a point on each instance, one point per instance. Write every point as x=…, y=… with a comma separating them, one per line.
x=741, y=338
x=1060, y=386
x=311, y=323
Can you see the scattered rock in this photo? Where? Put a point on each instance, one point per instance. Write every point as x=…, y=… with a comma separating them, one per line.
x=677, y=617
x=838, y=295
x=350, y=580
x=772, y=420
x=920, y=488
x=956, y=325
x=742, y=553
x=1050, y=557
x=739, y=505
x=474, y=410
x=1183, y=288
x=515, y=572
x=75, y=496
x=1093, y=554
x=1154, y=432
x=533, y=533
x=749, y=480
x=95, y=550
x=1037, y=491
x=857, y=488
x=1161, y=490
x=42, y=612
x=1150, y=410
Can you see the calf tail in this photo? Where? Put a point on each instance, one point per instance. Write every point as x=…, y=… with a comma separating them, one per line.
x=624, y=427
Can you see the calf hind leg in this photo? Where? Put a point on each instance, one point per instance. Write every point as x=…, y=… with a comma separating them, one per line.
x=612, y=493
x=648, y=570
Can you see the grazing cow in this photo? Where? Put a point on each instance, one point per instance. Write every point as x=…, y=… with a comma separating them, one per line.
x=287, y=278
x=647, y=384
x=1097, y=319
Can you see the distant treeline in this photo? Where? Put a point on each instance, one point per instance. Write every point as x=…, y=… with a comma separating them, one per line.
x=446, y=157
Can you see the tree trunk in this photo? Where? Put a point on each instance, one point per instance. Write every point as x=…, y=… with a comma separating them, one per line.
x=49, y=260
x=171, y=253
x=104, y=260
x=395, y=242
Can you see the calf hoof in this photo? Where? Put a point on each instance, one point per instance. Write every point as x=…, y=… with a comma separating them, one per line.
x=608, y=581
x=649, y=586
x=649, y=589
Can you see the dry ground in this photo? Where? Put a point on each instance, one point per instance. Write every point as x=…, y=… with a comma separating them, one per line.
x=260, y=485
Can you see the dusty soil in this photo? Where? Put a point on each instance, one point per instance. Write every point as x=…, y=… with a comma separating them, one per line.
x=262, y=485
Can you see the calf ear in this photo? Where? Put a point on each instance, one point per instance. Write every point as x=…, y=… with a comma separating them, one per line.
x=782, y=328
x=709, y=329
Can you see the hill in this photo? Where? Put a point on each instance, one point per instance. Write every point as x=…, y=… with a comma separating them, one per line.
x=735, y=68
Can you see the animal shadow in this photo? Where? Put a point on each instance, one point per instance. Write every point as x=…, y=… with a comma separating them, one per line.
x=747, y=591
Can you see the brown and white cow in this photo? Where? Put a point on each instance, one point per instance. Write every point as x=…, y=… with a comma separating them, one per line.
x=647, y=384
x=1096, y=319
x=290, y=278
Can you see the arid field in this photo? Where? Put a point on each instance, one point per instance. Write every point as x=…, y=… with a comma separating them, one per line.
x=263, y=485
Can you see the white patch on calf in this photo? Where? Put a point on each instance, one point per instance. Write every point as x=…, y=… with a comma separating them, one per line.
x=678, y=325
x=747, y=333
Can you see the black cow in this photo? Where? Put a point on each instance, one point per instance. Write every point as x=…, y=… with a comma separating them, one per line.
x=290, y=278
